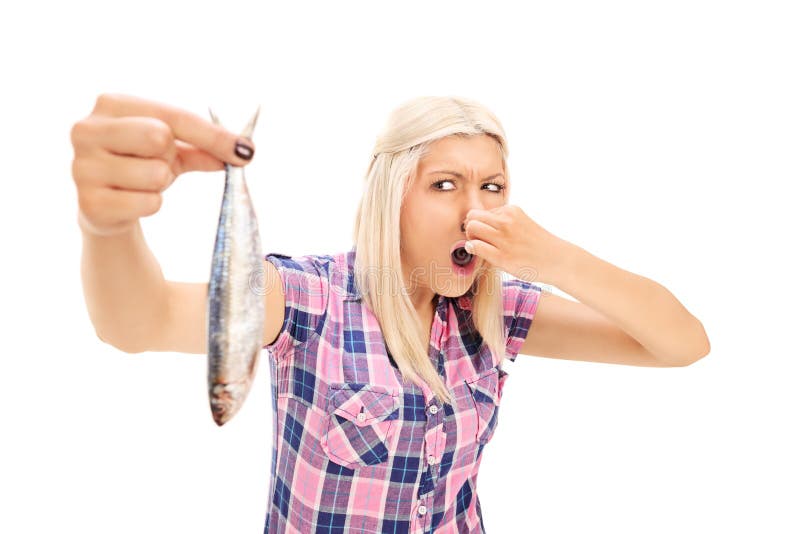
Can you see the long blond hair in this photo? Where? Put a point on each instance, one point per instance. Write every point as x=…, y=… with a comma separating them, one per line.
x=404, y=140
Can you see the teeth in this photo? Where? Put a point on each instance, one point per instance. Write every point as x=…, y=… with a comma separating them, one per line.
x=461, y=257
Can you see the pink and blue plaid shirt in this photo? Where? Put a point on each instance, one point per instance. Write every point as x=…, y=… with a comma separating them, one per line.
x=355, y=449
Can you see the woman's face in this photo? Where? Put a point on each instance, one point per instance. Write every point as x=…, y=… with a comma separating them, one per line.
x=437, y=204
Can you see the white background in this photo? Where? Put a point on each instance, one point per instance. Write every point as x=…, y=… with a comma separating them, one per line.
x=659, y=136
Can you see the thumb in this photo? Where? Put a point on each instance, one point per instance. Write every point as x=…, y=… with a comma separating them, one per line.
x=190, y=158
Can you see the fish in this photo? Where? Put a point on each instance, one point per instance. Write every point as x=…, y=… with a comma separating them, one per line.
x=235, y=304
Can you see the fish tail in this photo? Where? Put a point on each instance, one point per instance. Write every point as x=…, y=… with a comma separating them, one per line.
x=247, y=132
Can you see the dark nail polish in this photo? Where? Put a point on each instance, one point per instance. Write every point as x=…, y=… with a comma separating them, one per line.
x=243, y=151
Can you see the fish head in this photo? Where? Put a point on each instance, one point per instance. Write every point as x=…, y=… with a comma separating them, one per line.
x=226, y=399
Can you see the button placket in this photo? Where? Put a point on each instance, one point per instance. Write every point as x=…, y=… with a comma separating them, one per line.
x=419, y=521
x=433, y=437
x=422, y=512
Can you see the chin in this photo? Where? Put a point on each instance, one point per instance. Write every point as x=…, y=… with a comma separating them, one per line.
x=459, y=287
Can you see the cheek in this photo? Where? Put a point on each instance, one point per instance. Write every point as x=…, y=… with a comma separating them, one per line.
x=407, y=210
x=425, y=218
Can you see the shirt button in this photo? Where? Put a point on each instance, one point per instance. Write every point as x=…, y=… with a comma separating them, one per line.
x=434, y=409
x=431, y=460
x=362, y=416
x=422, y=509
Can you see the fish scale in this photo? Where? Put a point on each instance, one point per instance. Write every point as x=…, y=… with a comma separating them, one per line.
x=235, y=309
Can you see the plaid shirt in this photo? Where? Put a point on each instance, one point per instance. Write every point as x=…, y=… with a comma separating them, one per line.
x=355, y=449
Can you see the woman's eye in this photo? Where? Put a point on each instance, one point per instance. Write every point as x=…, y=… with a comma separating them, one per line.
x=435, y=184
x=498, y=188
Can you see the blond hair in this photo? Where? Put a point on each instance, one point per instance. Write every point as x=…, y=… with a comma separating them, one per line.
x=410, y=130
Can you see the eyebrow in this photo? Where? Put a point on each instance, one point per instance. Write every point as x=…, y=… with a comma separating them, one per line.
x=459, y=175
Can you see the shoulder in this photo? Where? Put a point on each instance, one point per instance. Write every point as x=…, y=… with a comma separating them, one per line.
x=319, y=264
x=306, y=284
x=520, y=302
x=304, y=277
x=520, y=298
x=311, y=276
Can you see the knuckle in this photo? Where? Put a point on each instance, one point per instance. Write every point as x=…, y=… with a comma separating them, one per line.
x=87, y=171
x=87, y=202
x=159, y=176
x=78, y=171
x=159, y=137
x=104, y=101
x=152, y=203
x=77, y=132
x=177, y=119
x=82, y=135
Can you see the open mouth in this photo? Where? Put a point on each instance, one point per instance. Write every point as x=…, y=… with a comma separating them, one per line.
x=463, y=261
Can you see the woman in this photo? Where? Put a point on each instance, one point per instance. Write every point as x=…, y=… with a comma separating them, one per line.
x=386, y=360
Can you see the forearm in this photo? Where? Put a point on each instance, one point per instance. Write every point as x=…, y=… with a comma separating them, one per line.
x=643, y=308
x=124, y=289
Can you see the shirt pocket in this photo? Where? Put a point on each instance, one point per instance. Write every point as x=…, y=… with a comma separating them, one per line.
x=359, y=424
x=487, y=390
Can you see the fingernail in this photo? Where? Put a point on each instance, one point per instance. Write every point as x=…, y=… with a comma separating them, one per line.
x=468, y=246
x=243, y=150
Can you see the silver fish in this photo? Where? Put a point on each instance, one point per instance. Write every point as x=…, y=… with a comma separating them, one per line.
x=235, y=309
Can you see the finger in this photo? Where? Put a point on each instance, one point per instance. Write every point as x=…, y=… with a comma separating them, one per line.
x=484, y=250
x=141, y=137
x=106, y=207
x=124, y=172
x=191, y=158
x=494, y=220
x=500, y=209
x=126, y=136
x=186, y=126
x=480, y=230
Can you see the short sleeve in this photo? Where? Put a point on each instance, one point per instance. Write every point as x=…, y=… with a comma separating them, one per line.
x=520, y=301
x=306, y=285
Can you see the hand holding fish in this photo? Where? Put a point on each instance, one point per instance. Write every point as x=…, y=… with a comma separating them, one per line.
x=129, y=150
x=510, y=240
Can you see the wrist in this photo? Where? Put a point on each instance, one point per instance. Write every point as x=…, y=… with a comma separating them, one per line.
x=90, y=231
x=569, y=255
